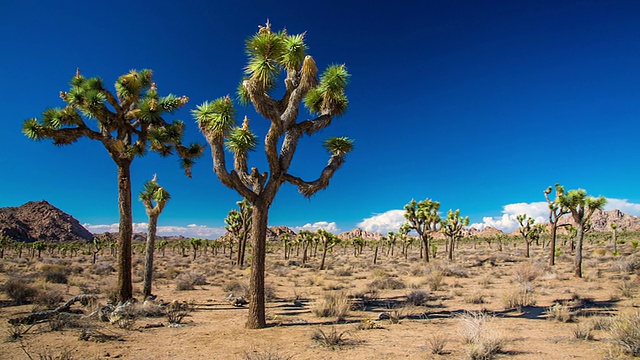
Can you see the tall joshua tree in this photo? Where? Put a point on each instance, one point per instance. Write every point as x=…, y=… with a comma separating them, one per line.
x=127, y=124
x=154, y=197
x=270, y=55
x=556, y=212
x=528, y=230
x=423, y=217
x=452, y=227
x=581, y=207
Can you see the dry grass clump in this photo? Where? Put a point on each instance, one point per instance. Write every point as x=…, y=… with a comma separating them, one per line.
x=483, y=342
x=237, y=288
x=560, y=312
x=387, y=283
x=527, y=273
x=265, y=355
x=417, y=298
x=624, y=332
x=434, y=280
x=332, y=304
x=102, y=269
x=626, y=265
x=187, y=281
x=437, y=344
x=519, y=297
x=475, y=297
x=332, y=339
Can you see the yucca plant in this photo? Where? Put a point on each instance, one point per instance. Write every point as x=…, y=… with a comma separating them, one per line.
x=274, y=56
x=127, y=123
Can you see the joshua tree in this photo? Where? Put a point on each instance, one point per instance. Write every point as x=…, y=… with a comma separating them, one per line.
x=195, y=244
x=328, y=241
x=270, y=54
x=239, y=224
x=452, y=227
x=307, y=238
x=556, y=211
x=152, y=193
x=526, y=229
x=97, y=244
x=127, y=124
x=423, y=217
x=581, y=207
x=5, y=243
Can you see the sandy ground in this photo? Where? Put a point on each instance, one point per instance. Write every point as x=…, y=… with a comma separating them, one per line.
x=479, y=279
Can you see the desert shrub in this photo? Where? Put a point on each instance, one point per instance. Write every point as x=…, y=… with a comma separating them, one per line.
x=435, y=280
x=483, y=342
x=332, y=338
x=627, y=265
x=171, y=273
x=387, y=283
x=265, y=355
x=583, y=332
x=560, y=312
x=368, y=324
x=624, y=332
x=102, y=269
x=332, y=304
x=475, y=297
x=527, y=273
x=437, y=344
x=49, y=299
x=627, y=288
x=270, y=292
x=236, y=288
x=519, y=297
x=187, y=281
x=19, y=290
x=455, y=270
x=417, y=298
x=176, y=311
x=342, y=272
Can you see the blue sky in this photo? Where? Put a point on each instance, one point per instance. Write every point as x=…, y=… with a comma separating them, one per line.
x=477, y=104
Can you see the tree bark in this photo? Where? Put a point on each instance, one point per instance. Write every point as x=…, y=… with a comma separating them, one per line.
x=451, y=241
x=552, y=257
x=148, y=261
x=125, y=287
x=425, y=245
x=578, y=258
x=256, y=318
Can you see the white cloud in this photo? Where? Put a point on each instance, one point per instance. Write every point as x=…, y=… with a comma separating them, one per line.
x=508, y=221
x=191, y=230
x=623, y=205
x=383, y=223
x=328, y=226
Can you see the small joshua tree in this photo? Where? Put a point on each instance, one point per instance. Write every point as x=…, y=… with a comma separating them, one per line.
x=452, y=227
x=581, y=207
x=556, y=212
x=423, y=217
x=238, y=223
x=154, y=197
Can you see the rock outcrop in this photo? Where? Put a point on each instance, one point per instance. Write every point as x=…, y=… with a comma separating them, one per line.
x=39, y=220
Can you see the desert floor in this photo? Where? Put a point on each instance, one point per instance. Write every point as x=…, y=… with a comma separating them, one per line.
x=485, y=304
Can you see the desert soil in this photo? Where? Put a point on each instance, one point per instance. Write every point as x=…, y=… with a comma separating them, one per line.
x=481, y=282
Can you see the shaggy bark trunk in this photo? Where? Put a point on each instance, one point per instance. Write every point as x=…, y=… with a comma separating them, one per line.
x=578, y=259
x=425, y=245
x=552, y=257
x=148, y=261
x=324, y=255
x=451, y=244
x=125, y=287
x=256, y=318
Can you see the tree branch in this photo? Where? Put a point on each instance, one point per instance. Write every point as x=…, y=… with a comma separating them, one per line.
x=307, y=189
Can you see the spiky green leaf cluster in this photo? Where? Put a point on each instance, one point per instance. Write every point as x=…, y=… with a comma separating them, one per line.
x=338, y=145
x=329, y=97
x=154, y=192
x=241, y=140
x=129, y=86
x=269, y=52
x=216, y=117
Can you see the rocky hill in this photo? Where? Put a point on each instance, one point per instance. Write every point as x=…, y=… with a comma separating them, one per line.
x=39, y=220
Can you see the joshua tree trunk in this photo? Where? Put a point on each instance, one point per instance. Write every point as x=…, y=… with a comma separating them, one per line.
x=256, y=318
x=451, y=241
x=148, y=261
x=578, y=259
x=125, y=287
x=552, y=245
x=375, y=255
x=425, y=246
